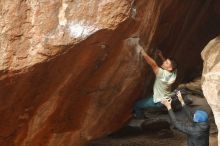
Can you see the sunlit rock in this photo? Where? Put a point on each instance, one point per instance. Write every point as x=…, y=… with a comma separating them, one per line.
x=211, y=77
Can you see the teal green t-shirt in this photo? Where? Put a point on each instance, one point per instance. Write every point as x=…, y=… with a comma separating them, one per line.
x=162, y=85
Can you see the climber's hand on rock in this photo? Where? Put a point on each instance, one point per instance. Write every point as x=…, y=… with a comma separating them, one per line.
x=142, y=50
x=135, y=41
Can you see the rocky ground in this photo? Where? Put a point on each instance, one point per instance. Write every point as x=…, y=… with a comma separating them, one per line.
x=156, y=130
x=148, y=140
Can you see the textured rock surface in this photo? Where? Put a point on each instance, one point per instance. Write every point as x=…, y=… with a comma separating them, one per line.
x=35, y=31
x=211, y=77
x=67, y=74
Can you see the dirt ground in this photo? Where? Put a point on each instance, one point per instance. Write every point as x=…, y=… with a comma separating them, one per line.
x=178, y=139
x=133, y=135
x=148, y=140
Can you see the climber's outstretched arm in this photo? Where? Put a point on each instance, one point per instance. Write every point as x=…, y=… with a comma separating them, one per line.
x=149, y=60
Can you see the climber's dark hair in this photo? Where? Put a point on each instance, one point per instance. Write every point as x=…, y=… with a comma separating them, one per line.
x=173, y=63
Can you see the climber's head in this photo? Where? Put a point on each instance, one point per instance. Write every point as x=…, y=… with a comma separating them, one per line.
x=169, y=65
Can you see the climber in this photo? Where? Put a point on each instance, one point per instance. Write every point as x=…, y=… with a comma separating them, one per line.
x=197, y=129
x=165, y=77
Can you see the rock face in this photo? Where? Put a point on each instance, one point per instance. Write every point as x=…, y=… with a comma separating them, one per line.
x=68, y=73
x=211, y=77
